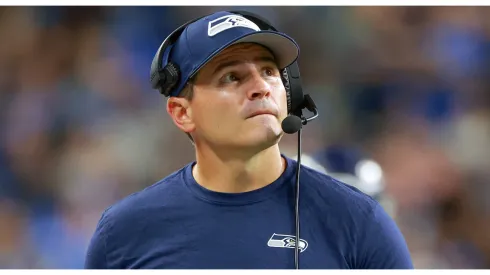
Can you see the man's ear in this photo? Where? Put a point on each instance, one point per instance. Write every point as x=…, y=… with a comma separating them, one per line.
x=180, y=111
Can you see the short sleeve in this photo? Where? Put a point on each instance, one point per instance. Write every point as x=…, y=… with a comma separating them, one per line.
x=96, y=252
x=383, y=245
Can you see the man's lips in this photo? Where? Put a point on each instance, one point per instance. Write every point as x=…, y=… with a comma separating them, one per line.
x=262, y=112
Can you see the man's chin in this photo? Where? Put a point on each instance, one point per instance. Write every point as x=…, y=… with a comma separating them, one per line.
x=266, y=137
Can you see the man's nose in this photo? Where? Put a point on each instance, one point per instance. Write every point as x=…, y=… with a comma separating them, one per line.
x=260, y=88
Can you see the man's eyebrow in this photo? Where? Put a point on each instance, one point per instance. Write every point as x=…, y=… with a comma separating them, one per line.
x=224, y=65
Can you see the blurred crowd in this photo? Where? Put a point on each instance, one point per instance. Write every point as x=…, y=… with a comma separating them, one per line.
x=80, y=126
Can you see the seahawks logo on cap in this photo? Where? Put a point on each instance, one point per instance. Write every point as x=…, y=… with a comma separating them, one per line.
x=230, y=21
x=286, y=241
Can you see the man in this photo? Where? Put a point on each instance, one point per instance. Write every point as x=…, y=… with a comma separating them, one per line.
x=233, y=208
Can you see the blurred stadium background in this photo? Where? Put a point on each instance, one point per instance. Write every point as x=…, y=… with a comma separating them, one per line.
x=407, y=87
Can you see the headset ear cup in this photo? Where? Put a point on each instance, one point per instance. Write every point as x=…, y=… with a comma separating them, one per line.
x=293, y=82
x=288, y=97
x=171, y=75
x=287, y=87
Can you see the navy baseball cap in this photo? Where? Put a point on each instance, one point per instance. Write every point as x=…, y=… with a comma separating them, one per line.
x=207, y=37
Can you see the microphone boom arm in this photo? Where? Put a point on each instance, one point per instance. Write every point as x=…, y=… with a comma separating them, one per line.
x=310, y=105
x=304, y=121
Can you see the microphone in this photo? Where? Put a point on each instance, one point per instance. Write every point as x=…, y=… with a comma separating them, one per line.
x=290, y=125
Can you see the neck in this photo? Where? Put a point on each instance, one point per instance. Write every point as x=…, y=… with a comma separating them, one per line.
x=228, y=173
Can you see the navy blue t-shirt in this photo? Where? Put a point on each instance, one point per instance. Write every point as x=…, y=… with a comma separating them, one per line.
x=178, y=224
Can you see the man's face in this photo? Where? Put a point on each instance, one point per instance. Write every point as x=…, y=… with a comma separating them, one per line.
x=239, y=100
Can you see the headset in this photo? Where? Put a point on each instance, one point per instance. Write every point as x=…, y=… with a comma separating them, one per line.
x=165, y=76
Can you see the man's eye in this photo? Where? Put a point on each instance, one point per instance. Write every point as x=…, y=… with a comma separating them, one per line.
x=230, y=78
x=270, y=72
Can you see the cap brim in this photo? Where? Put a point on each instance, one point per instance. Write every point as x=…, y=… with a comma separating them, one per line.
x=284, y=48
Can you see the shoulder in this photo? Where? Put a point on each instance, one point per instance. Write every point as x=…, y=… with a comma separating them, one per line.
x=136, y=206
x=366, y=225
x=124, y=225
x=335, y=193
